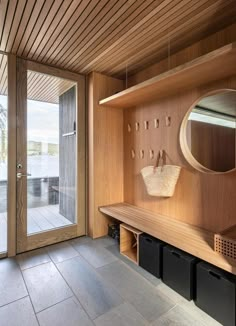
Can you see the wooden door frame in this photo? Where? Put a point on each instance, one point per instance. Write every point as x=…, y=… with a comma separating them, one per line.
x=24, y=242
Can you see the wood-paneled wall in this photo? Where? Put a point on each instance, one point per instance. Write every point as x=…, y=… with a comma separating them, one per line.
x=208, y=201
x=204, y=200
x=105, y=132
x=208, y=44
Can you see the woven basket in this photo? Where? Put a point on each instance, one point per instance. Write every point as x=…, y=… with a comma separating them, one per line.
x=161, y=180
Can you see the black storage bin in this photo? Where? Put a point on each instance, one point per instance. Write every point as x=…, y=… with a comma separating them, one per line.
x=179, y=271
x=215, y=293
x=150, y=254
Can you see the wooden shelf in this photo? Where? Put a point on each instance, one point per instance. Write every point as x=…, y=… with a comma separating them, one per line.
x=129, y=242
x=131, y=254
x=196, y=241
x=213, y=66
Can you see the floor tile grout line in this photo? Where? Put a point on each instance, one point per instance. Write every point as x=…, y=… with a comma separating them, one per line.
x=108, y=284
x=26, y=269
x=72, y=289
x=6, y=304
x=123, y=263
x=94, y=266
x=72, y=296
x=29, y=297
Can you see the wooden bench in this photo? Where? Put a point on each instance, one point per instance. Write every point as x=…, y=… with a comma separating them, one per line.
x=192, y=239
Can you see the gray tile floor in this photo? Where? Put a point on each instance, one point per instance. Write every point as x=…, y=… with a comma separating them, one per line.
x=86, y=282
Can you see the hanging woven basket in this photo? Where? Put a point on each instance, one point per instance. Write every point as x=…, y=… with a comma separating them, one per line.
x=160, y=180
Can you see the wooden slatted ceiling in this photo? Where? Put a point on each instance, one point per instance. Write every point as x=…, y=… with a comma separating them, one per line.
x=108, y=36
x=46, y=88
x=3, y=74
x=40, y=87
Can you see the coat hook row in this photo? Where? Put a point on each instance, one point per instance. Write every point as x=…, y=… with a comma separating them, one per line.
x=147, y=125
x=142, y=154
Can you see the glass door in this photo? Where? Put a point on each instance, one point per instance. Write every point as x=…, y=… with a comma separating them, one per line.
x=48, y=161
x=3, y=154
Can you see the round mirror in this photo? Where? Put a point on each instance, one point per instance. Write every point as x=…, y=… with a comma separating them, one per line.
x=208, y=134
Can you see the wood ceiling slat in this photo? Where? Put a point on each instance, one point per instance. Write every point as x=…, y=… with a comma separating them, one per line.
x=105, y=35
x=3, y=12
x=71, y=53
x=4, y=89
x=45, y=87
x=92, y=20
x=186, y=38
x=46, y=17
x=177, y=14
x=42, y=38
x=53, y=95
x=132, y=32
x=145, y=47
x=7, y=27
x=3, y=72
x=112, y=36
x=33, y=82
x=24, y=21
x=36, y=20
x=41, y=87
x=69, y=39
x=17, y=18
x=85, y=12
x=62, y=30
x=114, y=15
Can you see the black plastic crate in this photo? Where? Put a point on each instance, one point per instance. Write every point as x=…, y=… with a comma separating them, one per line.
x=179, y=271
x=215, y=293
x=150, y=254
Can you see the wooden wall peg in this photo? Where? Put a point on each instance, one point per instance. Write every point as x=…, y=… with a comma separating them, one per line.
x=133, y=153
x=156, y=123
x=168, y=121
x=137, y=126
x=151, y=154
x=129, y=127
x=146, y=125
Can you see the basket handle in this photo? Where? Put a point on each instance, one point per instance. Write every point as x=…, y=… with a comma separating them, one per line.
x=161, y=159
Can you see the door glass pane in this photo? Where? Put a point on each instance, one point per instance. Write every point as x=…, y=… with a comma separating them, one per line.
x=51, y=153
x=3, y=153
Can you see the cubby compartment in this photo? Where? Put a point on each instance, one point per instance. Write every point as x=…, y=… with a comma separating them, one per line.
x=215, y=293
x=129, y=242
x=179, y=271
x=150, y=254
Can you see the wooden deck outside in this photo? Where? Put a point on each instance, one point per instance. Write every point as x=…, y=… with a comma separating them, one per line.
x=39, y=219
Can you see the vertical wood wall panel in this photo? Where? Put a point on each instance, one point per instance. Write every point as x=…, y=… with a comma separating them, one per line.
x=105, y=151
x=201, y=199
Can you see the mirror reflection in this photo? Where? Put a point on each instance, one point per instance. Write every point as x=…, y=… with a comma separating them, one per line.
x=211, y=131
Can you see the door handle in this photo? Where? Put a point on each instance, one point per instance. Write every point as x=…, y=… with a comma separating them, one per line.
x=19, y=175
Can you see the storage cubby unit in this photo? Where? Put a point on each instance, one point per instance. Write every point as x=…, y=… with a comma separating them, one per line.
x=129, y=242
